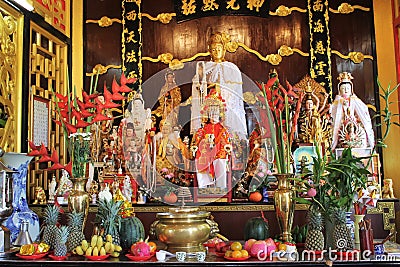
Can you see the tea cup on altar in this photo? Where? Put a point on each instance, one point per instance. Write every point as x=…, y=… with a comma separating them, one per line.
x=180, y=256
x=161, y=255
x=201, y=256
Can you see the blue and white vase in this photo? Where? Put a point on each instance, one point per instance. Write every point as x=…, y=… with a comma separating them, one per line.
x=19, y=162
x=350, y=224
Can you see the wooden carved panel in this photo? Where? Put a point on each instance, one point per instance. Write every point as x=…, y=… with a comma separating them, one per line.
x=48, y=64
x=11, y=24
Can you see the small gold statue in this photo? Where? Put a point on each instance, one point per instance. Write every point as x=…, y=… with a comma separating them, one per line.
x=387, y=190
x=40, y=196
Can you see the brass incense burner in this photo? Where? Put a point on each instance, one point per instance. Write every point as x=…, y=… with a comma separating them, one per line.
x=184, y=229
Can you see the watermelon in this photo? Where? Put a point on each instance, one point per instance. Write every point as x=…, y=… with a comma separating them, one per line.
x=257, y=228
x=132, y=231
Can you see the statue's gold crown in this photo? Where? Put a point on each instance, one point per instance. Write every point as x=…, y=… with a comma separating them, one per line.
x=345, y=77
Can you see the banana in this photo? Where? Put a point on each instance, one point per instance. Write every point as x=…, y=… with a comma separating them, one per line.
x=93, y=241
x=107, y=246
x=115, y=254
x=117, y=248
x=109, y=238
x=88, y=251
x=79, y=250
x=99, y=242
x=95, y=251
x=102, y=251
x=112, y=248
x=85, y=245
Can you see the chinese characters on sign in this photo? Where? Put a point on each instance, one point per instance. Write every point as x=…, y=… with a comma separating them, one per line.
x=191, y=9
x=320, y=63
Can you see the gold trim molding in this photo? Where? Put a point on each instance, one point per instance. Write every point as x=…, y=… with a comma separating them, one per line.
x=232, y=207
x=164, y=18
x=104, y=21
x=388, y=216
x=101, y=69
x=283, y=11
x=356, y=57
x=274, y=59
x=346, y=8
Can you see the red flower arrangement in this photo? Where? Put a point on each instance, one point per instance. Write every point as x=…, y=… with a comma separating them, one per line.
x=282, y=113
x=75, y=116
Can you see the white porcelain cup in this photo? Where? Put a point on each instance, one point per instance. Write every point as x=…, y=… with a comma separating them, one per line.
x=201, y=256
x=161, y=255
x=180, y=256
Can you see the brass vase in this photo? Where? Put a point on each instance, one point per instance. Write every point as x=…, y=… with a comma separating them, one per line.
x=78, y=199
x=284, y=205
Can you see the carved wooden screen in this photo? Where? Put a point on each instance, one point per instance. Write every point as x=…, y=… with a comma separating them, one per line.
x=48, y=64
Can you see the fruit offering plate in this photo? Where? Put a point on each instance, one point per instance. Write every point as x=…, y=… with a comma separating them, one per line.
x=138, y=258
x=237, y=259
x=31, y=257
x=58, y=258
x=97, y=258
x=220, y=254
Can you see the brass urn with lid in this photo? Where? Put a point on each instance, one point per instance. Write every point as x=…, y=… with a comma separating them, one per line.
x=184, y=229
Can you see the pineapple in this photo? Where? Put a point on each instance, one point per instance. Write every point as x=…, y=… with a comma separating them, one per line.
x=50, y=218
x=109, y=218
x=75, y=222
x=341, y=234
x=60, y=248
x=315, y=239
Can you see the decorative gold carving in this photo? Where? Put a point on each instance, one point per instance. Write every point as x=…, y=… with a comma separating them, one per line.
x=104, y=21
x=164, y=18
x=284, y=11
x=388, y=216
x=231, y=207
x=10, y=86
x=274, y=59
x=356, y=57
x=100, y=69
x=346, y=8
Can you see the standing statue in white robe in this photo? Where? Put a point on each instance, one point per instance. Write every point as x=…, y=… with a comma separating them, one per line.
x=229, y=78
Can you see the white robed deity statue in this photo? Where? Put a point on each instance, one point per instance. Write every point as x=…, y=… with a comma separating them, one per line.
x=229, y=78
x=352, y=125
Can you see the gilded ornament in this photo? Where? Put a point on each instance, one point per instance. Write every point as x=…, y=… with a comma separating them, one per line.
x=356, y=57
x=165, y=18
x=274, y=59
x=284, y=11
x=176, y=64
x=285, y=50
x=231, y=46
x=346, y=8
x=165, y=58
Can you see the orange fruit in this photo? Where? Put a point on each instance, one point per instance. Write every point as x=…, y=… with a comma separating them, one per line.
x=236, y=254
x=236, y=246
x=282, y=246
x=245, y=253
x=153, y=247
x=255, y=196
x=228, y=253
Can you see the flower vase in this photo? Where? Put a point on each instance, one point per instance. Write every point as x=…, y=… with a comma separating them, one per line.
x=284, y=205
x=78, y=199
x=21, y=212
x=357, y=219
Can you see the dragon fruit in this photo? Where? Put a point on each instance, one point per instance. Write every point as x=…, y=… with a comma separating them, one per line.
x=141, y=249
